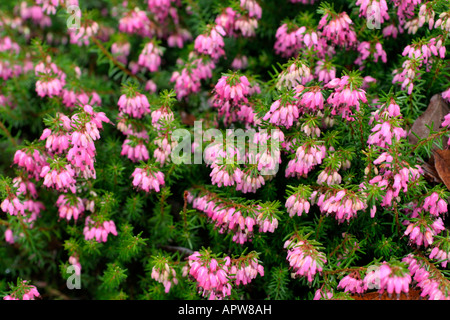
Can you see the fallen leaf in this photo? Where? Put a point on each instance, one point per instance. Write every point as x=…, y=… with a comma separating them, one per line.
x=187, y=118
x=429, y=170
x=442, y=165
x=434, y=115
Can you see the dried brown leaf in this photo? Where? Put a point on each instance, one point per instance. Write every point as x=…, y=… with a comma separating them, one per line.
x=442, y=165
x=434, y=114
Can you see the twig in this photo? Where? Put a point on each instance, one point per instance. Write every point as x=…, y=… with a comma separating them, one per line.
x=8, y=134
x=117, y=63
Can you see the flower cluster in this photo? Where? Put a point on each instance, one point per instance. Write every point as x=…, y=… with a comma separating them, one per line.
x=211, y=275
x=428, y=280
x=346, y=96
x=165, y=275
x=344, y=204
x=24, y=292
x=304, y=258
x=70, y=207
x=239, y=221
x=98, y=230
x=307, y=156
x=147, y=179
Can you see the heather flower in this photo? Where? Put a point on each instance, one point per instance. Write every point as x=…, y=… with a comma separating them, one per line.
x=307, y=156
x=422, y=231
x=25, y=187
x=165, y=275
x=310, y=98
x=233, y=88
x=179, y=38
x=188, y=80
x=320, y=293
x=147, y=179
x=428, y=280
x=297, y=203
x=370, y=7
x=225, y=175
x=120, y=51
x=227, y=20
x=98, y=230
x=69, y=207
x=443, y=22
x=61, y=179
x=297, y=72
x=446, y=96
x=28, y=292
x=49, y=6
x=440, y=255
x=283, y=112
x=9, y=237
x=57, y=143
x=212, y=275
x=435, y=205
x=51, y=79
x=135, y=105
x=74, y=261
x=366, y=49
x=72, y=98
x=250, y=182
x=32, y=160
x=253, y=8
x=304, y=259
x=239, y=62
x=245, y=269
x=325, y=71
x=150, y=56
x=164, y=149
x=13, y=206
x=346, y=96
x=338, y=29
x=352, y=283
x=80, y=36
x=288, y=40
x=343, y=203
x=394, y=278
x=211, y=43
x=247, y=26
x=136, y=22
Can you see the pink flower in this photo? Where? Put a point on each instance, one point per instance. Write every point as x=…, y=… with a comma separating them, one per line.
x=99, y=231
x=61, y=179
x=69, y=207
x=9, y=237
x=351, y=284
x=120, y=51
x=150, y=57
x=147, y=179
x=346, y=95
x=239, y=62
x=306, y=158
x=295, y=205
x=212, y=276
x=303, y=258
x=51, y=79
x=29, y=293
x=211, y=43
x=136, y=106
x=253, y=8
x=73, y=260
x=338, y=29
x=167, y=276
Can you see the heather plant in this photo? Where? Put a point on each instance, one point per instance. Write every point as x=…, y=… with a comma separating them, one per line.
x=239, y=149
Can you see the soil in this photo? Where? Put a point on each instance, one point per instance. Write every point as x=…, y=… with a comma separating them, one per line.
x=413, y=294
